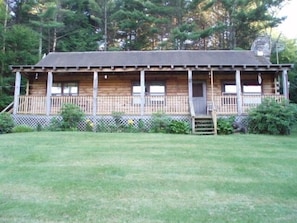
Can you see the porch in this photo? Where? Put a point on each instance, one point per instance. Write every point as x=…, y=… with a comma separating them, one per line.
x=133, y=105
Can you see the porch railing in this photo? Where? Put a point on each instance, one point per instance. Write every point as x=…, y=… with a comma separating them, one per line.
x=106, y=105
x=131, y=105
x=227, y=104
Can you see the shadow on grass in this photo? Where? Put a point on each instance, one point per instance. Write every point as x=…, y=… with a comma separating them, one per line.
x=294, y=130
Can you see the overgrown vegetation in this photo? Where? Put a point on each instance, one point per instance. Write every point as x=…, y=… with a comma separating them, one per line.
x=71, y=116
x=225, y=125
x=22, y=128
x=272, y=117
x=179, y=127
x=160, y=123
x=6, y=123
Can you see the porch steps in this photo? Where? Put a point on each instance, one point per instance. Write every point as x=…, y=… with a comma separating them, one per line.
x=203, y=125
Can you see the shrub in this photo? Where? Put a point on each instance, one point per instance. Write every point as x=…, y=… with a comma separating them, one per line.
x=118, y=118
x=101, y=126
x=141, y=126
x=89, y=125
x=6, y=123
x=271, y=117
x=22, y=128
x=39, y=127
x=55, y=124
x=71, y=116
x=160, y=123
x=179, y=127
x=225, y=126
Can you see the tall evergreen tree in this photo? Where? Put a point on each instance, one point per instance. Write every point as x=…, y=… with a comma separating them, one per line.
x=238, y=22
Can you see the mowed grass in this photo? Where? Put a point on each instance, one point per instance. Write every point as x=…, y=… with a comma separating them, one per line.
x=98, y=177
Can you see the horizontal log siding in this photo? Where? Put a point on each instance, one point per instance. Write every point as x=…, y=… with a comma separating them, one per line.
x=37, y=85
x=121, y=84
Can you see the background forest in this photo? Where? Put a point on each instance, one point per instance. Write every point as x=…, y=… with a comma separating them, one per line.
x=31, y=28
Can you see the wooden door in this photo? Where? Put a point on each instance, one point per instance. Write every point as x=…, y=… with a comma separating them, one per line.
x=199, y=97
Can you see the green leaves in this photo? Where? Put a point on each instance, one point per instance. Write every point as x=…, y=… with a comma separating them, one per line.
x=6, y=123
x=271, y=117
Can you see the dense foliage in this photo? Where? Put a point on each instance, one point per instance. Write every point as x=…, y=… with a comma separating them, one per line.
x=160, y=123
x=271, y=117
x=179, y=127
x=22, y=128
x=71, y=116
x=6, y=123
x=225, y=125
x=285, y=51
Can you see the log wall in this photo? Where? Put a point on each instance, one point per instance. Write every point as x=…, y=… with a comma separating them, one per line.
x=120, y=84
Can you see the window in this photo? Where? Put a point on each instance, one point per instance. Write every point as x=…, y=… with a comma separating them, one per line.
x=247, y=88
x=250, y=91
x=65, y=89
x=156, y=91
x=229, y=88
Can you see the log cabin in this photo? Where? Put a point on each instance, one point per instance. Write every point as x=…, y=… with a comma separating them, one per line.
x=185, y=85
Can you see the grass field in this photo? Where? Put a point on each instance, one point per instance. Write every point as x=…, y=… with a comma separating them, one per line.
x=98, y=177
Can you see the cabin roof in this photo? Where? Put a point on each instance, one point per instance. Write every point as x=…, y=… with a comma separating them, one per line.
x=152, y=58
x=177, y=59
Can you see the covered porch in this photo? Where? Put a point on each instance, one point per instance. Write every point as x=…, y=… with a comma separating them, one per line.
x=203, y=93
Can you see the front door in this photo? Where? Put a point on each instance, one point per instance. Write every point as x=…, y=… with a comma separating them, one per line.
x=199, y=97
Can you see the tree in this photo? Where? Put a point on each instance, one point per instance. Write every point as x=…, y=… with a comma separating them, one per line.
x=238, y=22
x=21, y=48
x=131, y=23
x=288, y=55
x=79, y=32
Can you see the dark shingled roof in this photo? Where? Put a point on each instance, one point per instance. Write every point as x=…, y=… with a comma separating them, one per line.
x=152, y=58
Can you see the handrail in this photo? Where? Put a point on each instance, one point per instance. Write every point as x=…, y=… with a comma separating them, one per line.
x=214, y=120
x=192, y=111
x=8, y=107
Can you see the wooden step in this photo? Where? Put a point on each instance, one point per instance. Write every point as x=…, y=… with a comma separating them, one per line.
x=203, y=125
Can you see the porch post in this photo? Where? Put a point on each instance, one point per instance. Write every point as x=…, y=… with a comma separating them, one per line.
x=190, y=92
x=17, y=90
x=238, y=92
x=95, y=90
x=211, y=82
x=142, y=92
x=285, y=84
x=49, y=92
x=27, y=87
x=190, y=84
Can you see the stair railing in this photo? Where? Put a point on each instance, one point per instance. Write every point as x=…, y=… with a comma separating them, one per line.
x=192, y=112
x=214, y=118
x=8, y=108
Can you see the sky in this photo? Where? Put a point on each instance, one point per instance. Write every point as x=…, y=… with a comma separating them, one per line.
x=289, y=27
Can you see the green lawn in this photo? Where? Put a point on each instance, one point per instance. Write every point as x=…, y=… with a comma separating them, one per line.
x=109, y=177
